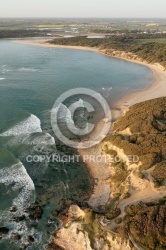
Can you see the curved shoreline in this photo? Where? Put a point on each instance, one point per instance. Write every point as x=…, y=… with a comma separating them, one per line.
x=157, y=88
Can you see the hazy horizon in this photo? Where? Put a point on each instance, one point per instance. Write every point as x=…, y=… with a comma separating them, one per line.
x=76, y=17
x=80, y=9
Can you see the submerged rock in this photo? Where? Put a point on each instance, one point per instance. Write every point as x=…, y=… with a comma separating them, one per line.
x=16, y=236
x=30, y=239
x=13, y=210
x=18, y=219
x=35, y=213
x=3, y=230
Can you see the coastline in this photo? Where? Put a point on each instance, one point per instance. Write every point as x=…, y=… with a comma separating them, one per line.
x=156, y=89
x=42, y=43
x=101, y=172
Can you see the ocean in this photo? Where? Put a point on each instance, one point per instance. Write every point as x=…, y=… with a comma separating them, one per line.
x=31, y=80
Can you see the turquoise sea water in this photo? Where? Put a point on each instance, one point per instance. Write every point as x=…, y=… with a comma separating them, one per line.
x=31, y=79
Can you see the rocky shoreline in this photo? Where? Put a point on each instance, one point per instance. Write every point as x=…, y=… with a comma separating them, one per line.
x=136, y=207
x=129, y=200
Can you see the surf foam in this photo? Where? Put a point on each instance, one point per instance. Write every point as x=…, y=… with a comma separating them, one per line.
x=28, y=126
x=17, y=176
x=27, y=69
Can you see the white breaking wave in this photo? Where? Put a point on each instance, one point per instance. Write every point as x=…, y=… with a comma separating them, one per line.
x=27, y=69
x=22, y=229
x=44, y=139
x=17, y=176
x=61, y=112
x=39, y=139
x=28, y=126
x=2, y=79
x=5, y=68
x=64, y=116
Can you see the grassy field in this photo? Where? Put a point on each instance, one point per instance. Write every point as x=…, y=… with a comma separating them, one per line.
x=152, y=40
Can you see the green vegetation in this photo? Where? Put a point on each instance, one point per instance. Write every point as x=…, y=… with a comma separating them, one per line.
x=93, y=25
x=133, y=210
x=152, y=40
x=152, y=52
x=159, y=173
x=21, y=33
x=109, y=151
x=145, y=225
x=146, y=122
x=113, y=214
x=141, y=223
x=143, y=38
x=120, y=174
x=93, y=228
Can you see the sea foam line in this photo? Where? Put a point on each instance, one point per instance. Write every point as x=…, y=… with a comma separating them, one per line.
x=27, y=69
x=17, y=175
x=30, y=125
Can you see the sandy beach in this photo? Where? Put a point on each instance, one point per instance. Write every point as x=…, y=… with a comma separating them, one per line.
x=100, y=171
x=43, y=43
x=156, y=89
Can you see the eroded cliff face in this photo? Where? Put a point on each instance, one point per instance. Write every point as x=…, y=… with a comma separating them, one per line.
x=127, y=55
x=138, y=142
x=135, y=216
x=72, y=236
x=82, y=231
x=139, y=187
x=121, y=54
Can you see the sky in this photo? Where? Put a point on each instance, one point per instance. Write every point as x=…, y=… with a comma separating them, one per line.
x=83, y=8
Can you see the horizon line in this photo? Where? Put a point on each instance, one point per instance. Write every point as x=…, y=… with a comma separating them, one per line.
x=88, y=17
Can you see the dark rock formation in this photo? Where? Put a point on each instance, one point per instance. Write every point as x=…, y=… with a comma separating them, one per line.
x=3, y=231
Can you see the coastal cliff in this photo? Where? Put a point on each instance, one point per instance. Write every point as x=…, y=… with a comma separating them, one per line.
x=134, y=216
x=127, y=55
x=122, y=47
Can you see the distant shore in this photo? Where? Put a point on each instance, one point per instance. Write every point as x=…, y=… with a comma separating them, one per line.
x=157, y=88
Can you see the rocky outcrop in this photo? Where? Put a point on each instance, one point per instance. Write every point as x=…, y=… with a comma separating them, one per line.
x=35, y=212
x=135, y=216
x=73, y=238
x=82, y=231
x=75, y=212
x=3, y=231
x=140, y=132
